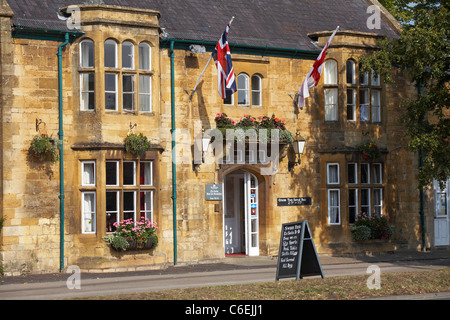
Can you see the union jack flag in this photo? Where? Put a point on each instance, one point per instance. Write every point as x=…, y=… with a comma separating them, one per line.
x=226, y=81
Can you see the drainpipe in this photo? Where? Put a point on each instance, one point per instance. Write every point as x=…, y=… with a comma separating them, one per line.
x=61, y=153
x=174, y=168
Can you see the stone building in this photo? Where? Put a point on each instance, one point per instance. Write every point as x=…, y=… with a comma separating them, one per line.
x=87, y=75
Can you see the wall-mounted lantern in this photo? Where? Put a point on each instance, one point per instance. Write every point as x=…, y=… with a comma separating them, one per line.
x=299, y=147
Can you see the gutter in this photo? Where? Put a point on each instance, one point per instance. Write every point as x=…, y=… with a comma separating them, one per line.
x=182, y=44
x=174, y=168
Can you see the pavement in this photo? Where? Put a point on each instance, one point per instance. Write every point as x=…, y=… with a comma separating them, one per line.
x=231, y=270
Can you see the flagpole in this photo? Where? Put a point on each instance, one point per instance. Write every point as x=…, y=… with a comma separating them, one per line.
x=204, y=69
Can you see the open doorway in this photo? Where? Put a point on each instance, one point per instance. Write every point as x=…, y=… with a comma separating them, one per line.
x=241, y=214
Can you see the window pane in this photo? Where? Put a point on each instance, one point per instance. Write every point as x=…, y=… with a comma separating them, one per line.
x=110, y=91
x=350, y=75
x=129, y=205
x=88, y=178
x=145, y=176
x=352, y=175
x=375, y=79
x=146, y=210
x=330, y=72
x=144, y=56
x=331, y=104
x=441, y=204
x=256, y=90
x=377, y=173
x=128, y=92
x=333, y=207
x=129, y=173
x=365, y=174
x=364, y=79
x=378, y=201
x=111, y=173
x=112, y=210
x=87, y=54
x=145, y=93
x=87, y=91
x=365, y=201
x=333, y=173
x=88, y=214
x=351, y=104
x=110, y=54
x=376, y=104
x=242, y=86
x=364, y=111
x=352, y=205
x=127, y=55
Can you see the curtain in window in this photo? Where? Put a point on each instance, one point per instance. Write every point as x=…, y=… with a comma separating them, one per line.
x=87, y=54
x=333, y=203
x=375, y=101
x=88, y=211
x=330, y=76
x=331, y=100
x=144, y=56
x=145, y=93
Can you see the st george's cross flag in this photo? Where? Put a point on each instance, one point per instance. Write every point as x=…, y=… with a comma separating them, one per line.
x=313, y=77
x=226, y=81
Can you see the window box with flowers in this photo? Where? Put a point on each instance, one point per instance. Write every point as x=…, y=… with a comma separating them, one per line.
x=263, y=127
x=44, y=148
x=133, y=235
x=371, y=228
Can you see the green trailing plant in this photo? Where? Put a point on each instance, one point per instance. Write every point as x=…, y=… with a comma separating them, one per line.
x=44, y=148
x=136, y=144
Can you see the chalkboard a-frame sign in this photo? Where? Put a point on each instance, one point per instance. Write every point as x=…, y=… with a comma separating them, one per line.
x=297, y=256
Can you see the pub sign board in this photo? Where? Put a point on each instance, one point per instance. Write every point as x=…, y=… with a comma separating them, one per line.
x=284, y=202
x=297, y=256
x=213, y=192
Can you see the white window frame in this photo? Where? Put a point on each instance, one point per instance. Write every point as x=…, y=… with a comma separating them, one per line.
x=142, y=94
x=142, y=56
x=351, y=105
x=380, y=172
x=132, y=93
x=82, y=54
x=134, y=174
x=437, y=192
x=257, y=91
x=356, y=206
x=368, y=200
x=355, y=169
x=83, y=182
x=115, y=92
x=331, y=109
x=117, y=173
x=243, y=78
x=124, y=44
x=368, y=172
x=117, y=212
x=333, y=207
x=92, y=214
x=110, y=41
x=83, y=91
x=328, y=173
x=147, y=210
x=150, y=172
x=124, y=212
x=378, y=205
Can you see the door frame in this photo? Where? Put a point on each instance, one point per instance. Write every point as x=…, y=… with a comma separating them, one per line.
x=441, y=222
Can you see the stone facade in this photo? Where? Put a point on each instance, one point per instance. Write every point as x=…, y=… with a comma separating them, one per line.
x=30, y=240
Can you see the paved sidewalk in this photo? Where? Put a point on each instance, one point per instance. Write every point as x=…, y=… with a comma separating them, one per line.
x=242, y=262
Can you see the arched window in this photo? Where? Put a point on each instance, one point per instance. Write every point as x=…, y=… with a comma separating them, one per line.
x=351, y=72
x=87, y=54
x=110, y=54
x=330, y=72
x=128, y=55
x=145, y=57
x=256, y=90
x=243, y=89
